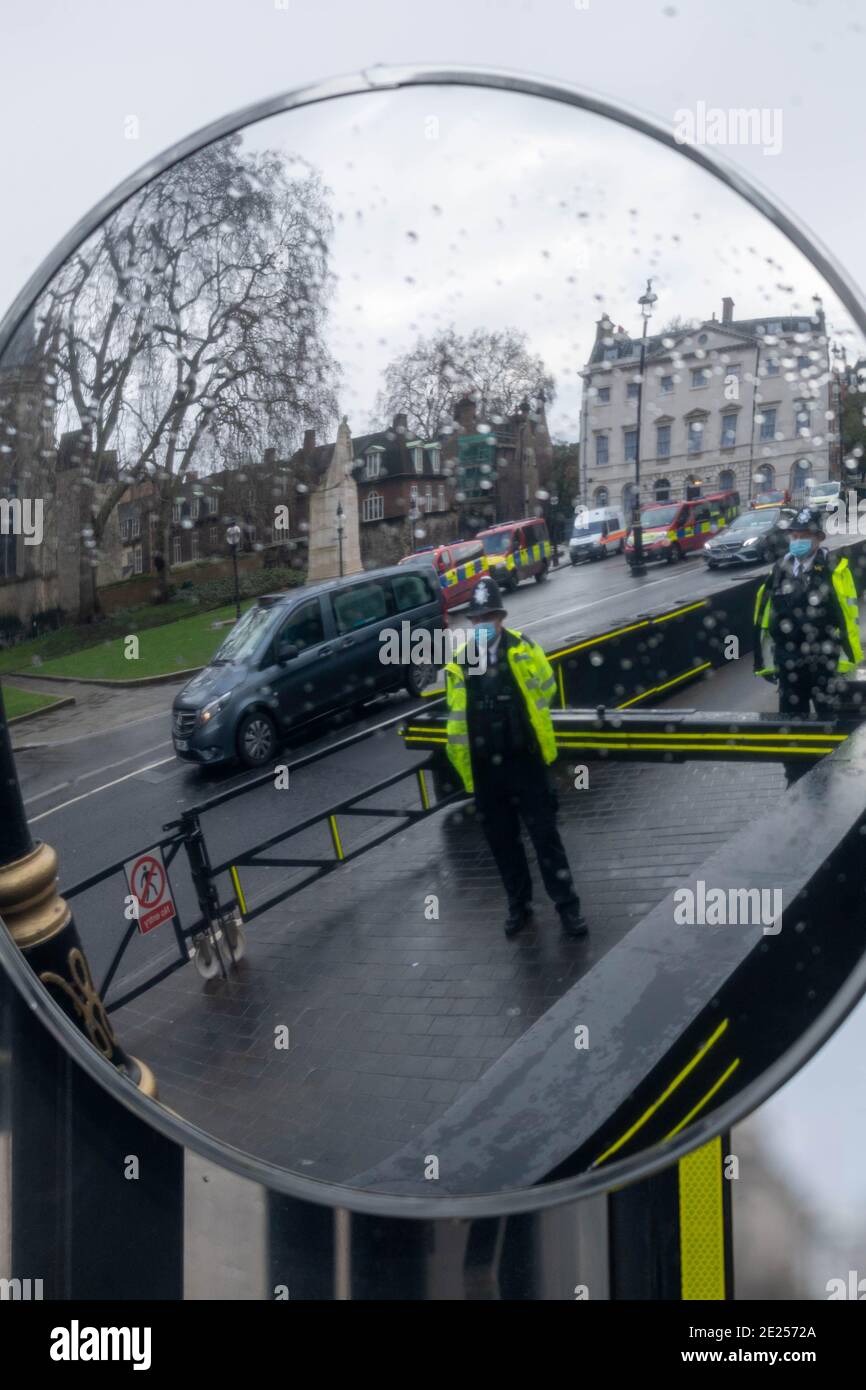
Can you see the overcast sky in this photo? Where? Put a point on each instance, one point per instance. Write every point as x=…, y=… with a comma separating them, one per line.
x=74, y=75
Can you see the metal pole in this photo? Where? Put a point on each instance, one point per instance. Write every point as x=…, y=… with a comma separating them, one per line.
x=237, y=586
x=638, y=567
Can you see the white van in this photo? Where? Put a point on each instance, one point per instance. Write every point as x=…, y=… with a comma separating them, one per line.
x=596, y=534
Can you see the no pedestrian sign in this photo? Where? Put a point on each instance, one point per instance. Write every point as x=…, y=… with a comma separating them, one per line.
x=148, y=882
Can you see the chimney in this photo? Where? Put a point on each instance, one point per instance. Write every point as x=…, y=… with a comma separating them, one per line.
x=399, y=425
x=309, y=441
x=464, y=414
x=270, y=458
x=603, y=328
x=727, y=310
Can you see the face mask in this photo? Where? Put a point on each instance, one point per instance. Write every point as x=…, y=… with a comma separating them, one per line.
x=799, y=549
x=486, y=635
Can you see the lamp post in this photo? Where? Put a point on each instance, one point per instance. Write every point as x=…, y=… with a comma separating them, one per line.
x=340, y=515
x=647, y=303
x=233, y=536
x=413, y=517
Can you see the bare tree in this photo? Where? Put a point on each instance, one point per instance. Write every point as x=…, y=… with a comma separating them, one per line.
x=195, y=313
x=496, y=368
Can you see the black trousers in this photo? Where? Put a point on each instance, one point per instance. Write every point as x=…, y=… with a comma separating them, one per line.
x=801, y=687
x=519, y=790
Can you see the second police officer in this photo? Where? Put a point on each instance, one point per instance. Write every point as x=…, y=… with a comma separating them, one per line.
x=500, y=739
x=807, y=634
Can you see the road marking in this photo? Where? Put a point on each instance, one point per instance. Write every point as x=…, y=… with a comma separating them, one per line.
x=142, y=752
x=40, y=795
x=93, y=792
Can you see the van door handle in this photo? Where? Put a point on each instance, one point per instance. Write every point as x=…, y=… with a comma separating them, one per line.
x=347, y=642
x=325, y=651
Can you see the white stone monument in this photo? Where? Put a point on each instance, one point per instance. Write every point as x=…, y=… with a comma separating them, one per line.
x=337, y=488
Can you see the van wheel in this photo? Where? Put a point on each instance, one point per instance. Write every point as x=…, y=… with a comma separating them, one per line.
x=542, y=574
x=417, y=679
x=675, y=556
x=256, y=739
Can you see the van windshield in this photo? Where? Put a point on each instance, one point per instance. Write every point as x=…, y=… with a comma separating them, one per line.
x=498, y=543
x=658, y=516
x=588, y=528
x=244, y=638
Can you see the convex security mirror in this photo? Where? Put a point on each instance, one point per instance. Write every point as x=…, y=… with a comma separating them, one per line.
x=267, y=427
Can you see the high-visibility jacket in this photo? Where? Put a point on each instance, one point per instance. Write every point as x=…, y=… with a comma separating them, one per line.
x=535, y=681
x=842, y=596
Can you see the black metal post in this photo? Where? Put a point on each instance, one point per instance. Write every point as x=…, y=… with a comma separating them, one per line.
x=638, y=566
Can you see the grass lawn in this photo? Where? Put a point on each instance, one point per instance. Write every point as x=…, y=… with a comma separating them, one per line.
x=172, y=647
x=25, y=702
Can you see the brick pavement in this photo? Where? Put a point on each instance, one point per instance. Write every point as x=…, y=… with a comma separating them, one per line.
x=393, y=1015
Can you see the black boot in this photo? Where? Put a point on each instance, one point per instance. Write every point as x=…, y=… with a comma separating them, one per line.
x=519, y=916
x=573, y=921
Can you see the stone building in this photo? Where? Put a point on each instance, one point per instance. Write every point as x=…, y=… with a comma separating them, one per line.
x=732, y=403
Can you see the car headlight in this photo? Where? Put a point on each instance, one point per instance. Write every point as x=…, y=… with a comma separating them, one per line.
x=212, y=709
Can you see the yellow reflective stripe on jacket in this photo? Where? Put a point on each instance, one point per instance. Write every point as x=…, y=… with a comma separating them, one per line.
x=535, y=681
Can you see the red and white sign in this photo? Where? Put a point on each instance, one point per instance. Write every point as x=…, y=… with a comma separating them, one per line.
x=148, y=882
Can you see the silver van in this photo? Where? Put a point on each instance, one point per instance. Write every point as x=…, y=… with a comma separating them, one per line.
x=597, y=533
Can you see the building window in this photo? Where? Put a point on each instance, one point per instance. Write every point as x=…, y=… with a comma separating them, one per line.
x=418, y=459
x=764, y=478
x=662, y=490
x=125, y=529
x=138, y=559
x=602, y=445
x=630, y=446
x=373, y=466
x=772, y=366
x=436, y=459
x=667, y=385
x=177, y=509
x=729, y=431
x=696, y=436
x=802, y=419
x=768, y=423
x=663, y=441
x=213, y=535
x=175, y=551
x=803, y=364
x=428, y=500
x=195, y=547
x=602, y=497
x=700, y=377
x=441, y=497
x=603, y=395
x=373, y=507
x=195, y=508
x=727, y=480
x=9, y=541
x=632, y=391
x=212, y=504
x=800, y=473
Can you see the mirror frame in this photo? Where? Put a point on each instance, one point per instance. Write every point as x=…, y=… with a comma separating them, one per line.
x=173, y=1126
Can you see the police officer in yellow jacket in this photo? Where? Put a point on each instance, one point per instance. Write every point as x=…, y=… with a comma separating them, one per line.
x=500, y=739
x=806, y=621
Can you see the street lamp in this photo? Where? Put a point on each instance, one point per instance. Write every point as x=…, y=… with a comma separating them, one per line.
x=414, y=513
x=233, y=536
x=340, y=515
x=647, y=303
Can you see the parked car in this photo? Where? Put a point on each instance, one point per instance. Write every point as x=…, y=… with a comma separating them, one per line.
x=596, y=534
x=296, y=656
x=673, y=530
x=459, y=567
x=754, y=537
x=517, y=550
